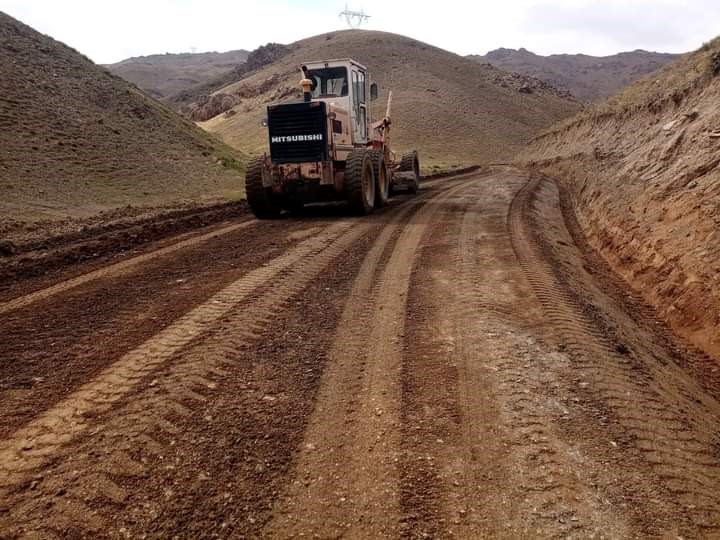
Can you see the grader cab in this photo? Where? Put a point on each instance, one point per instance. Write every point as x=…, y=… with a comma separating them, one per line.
x=327, y=148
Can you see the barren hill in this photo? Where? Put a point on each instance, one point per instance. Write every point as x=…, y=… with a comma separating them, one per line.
x=588, y=77
x=644, y=171
x=163, y=75
x=455, y=110
x=76, y=140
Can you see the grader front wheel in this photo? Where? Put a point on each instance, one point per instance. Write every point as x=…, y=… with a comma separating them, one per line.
x=382, y=178
x=410, y=163
x=360, y=181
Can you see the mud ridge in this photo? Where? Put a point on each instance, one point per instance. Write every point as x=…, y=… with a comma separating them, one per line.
x=668, y=420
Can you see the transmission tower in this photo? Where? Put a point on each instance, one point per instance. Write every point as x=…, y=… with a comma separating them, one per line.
x=354, y=19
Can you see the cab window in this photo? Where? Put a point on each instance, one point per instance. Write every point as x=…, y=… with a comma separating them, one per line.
x=329, y=82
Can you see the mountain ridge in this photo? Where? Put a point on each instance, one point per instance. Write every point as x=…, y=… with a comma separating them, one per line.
x=486, y=114
x=588, y=77
x=164, y=75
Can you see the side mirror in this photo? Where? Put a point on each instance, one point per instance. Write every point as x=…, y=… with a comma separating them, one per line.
x=264, y=122
x=373, y=91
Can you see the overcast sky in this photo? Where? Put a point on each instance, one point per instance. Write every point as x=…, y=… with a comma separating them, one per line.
x=111, y=30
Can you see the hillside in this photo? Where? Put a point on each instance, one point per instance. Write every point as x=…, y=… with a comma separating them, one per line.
x=590, y=78
x=164, y=75
x=643, y=169
x=454, y=110
x=76, y=140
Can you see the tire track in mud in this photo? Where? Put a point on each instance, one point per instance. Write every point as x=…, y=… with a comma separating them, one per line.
x=345, y=481
x=653, y=408
x=83, y=489
x=499, y=470
x=32, y=446
x=141, y=425
x=116, y=269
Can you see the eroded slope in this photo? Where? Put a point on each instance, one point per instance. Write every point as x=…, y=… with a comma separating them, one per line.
x=643, y=171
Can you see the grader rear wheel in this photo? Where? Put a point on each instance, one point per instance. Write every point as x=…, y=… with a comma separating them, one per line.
x=262, y=200
x=360, y=181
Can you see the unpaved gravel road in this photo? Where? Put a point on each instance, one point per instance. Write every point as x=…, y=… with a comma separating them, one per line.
x=457, y=365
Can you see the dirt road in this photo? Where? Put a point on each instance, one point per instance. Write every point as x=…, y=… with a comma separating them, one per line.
x=457, y=365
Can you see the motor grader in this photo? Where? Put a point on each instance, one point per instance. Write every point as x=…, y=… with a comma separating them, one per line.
x=327, y=148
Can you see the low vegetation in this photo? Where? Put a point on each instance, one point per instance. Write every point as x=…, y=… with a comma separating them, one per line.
x=76, y=140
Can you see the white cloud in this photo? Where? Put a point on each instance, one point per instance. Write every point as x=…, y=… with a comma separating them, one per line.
x=109, y=31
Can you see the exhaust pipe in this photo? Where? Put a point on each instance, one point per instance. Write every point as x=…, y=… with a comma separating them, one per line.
x=306, y=84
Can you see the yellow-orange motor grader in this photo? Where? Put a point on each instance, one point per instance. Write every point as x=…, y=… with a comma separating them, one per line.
x=326, y=148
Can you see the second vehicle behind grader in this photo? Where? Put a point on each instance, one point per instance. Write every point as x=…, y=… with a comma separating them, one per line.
x=327, y=148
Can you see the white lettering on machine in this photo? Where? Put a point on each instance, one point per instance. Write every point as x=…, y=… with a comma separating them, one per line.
x=296, y=138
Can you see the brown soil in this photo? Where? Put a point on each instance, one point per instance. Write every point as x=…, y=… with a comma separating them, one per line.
x=483, y=113
x=76, y=141
x=460, y=364
x=104, y=237
x=642, y=171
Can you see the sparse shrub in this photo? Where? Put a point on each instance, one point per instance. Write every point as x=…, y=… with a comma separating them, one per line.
x=231, y=163
x=715, y=63
x=208, y=107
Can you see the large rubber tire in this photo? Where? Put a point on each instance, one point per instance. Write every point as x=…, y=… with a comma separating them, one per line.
x=360, y=181
x=382, y=178
x=262, y=200
x=410, y=162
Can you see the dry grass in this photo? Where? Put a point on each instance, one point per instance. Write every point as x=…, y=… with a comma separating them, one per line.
x=76, y=140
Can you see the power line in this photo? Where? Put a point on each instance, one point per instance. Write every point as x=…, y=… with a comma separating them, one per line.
x=354, y=19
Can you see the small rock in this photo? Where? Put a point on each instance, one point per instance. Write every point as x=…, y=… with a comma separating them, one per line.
x=670, y=125
x=7, y=248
